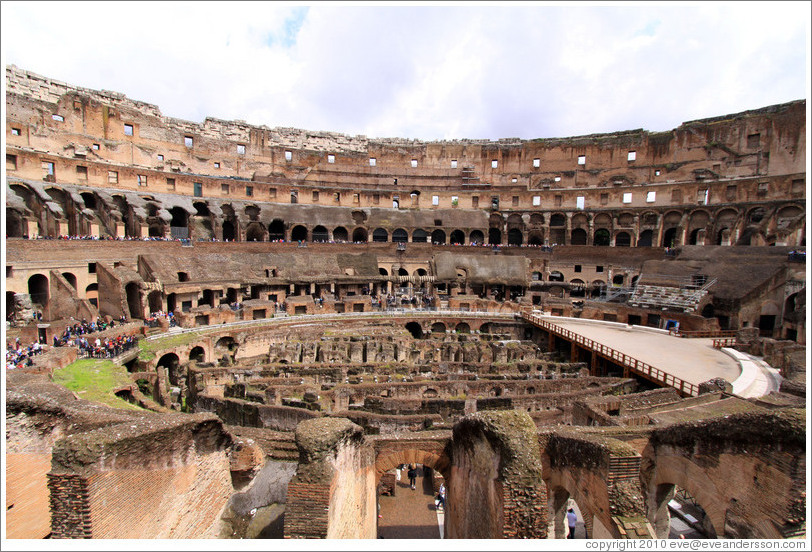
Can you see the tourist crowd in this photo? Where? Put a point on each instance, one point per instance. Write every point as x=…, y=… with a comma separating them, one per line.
x=154, y=318
x=18, y=356
x=83, y=328
x=108, y=347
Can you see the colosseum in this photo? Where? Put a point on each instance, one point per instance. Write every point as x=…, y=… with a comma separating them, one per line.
x=220, y=330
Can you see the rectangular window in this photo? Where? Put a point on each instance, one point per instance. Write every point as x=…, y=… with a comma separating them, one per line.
x=494, y=164
x=627, y=197
x=598, y=268
x=604, y=199
x=651, y=197
x=455, y=200
x=632, y=156
x=558, y=200
x=249, y=191
x=170, y=184
x=15, y=131
x=702, y=196
x=337, y=197
x=753, y=140
x=536, y=201
x=112, y=177
x=356, y=199
x=48, y=167
x=81, y=172
x=657, y=173
x=676, y=196
x=414, y=163
x=272, y=193
x=536, y=163
x=579, y=202
x=577, y=268
x=198, y=189
x=216, y=165
x=224, y=188
x=514, y=201
x=96, y=147
x=288, y=155
x=142, y=180
x=240, y=149
x=435, y=200
x=331, y=158
x=128, y=130
x=160, y=157
x=376, y=199
x=294, y=196
x=315, y=196
x=557, y=179
x=475, y=202
x=91, y=268
x=453, y=163
x=763, y=188
x=59, y=118
x=372, y=161
x=582, y=159
x=11, y=162
x=495, y=203
x=188, y=141
x=730, y=193
x=797, y=186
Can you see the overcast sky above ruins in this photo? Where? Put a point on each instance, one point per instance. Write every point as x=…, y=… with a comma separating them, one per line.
x=428, y=72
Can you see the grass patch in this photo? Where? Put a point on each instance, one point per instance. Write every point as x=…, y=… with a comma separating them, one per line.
x=95, y=380
x=149, y=348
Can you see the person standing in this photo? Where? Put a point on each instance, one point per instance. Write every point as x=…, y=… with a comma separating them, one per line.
x=441, y=496
x=412, y=476
x=571, y=519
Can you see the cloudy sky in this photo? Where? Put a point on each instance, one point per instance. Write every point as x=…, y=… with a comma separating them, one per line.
x=429, y=71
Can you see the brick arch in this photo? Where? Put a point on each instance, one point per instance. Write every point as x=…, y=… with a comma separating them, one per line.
x=389, y=459
x=682, y=472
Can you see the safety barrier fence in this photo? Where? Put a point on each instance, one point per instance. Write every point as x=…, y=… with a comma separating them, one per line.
x=623, y=360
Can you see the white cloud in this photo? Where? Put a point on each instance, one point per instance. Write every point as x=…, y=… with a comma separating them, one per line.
x=427, y=72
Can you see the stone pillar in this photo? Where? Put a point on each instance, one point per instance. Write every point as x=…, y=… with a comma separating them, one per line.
x=568, y=231
x=658, y=240
x=333, y=492
x=495, y=489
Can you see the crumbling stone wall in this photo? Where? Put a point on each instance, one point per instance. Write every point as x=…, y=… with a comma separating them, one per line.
x=495, y=489
x=157, y=477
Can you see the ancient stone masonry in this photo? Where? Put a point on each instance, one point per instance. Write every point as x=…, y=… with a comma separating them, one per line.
x=313, y=310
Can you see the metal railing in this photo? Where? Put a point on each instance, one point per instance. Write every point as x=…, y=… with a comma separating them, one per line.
x=720, y=342
x=627, y=362
x=703, y=333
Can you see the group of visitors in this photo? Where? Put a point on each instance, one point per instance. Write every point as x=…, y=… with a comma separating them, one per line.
x=439, y=499
x=109, y=347
x=154, y=318
x=19, y=356
x=84, y=328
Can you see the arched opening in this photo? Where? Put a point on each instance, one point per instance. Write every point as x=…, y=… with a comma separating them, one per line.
x=617, y=280
x=156, y=230
x=379, y=235
x=694, y=236
x=415, y=329
x=578, y=236
x=92, y=294
x=403, y=272
x=675, y=514
x=535, y=238
x=228, y=231
x=298, y=233
x=645, y=239
x=567, y=516
x=383, y=272
x=170, y=361
x=201, y=208
x=723, y=237
x=14, y=224
x=670, y=238
x=556, y=276
x=438, y=237
x=197, y=354
x=457, y=237
x=179, y=226
x=601, y=237
x=320, y=234
x=463, y=327
x=155, y=302
x=89, y=199
x=494, y=236
x=577, y=288
x=359, y=235
x=276, y=230
x=134, y=306
x=254, y=232
x=400, y=236
x=420, y=236
x=708, y=311
x=623, y=239
x=515, y=237
x=71, y=278
x=38, y=290
x=476, y=237
x=172, y=302
x=340, y=234
x=438, y=328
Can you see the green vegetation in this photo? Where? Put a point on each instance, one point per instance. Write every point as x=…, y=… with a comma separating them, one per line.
x=95, y=380
x=149, y=348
